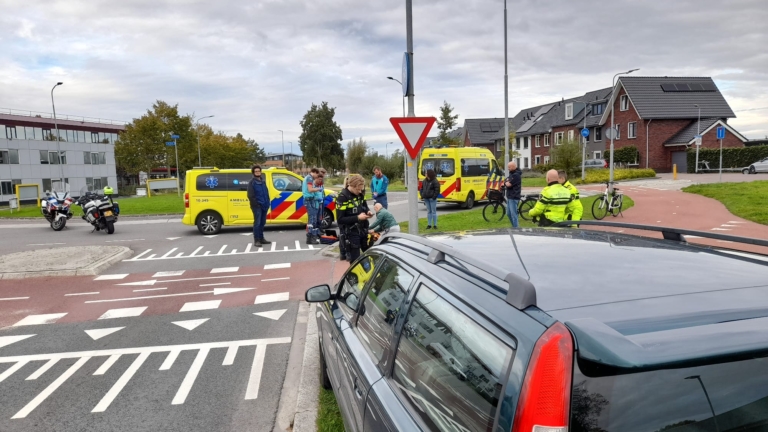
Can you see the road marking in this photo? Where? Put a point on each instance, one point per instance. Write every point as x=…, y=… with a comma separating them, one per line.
x=142, y=254
x=96, y=334
x=45, y=244
x=737, y=222
x=14, y=298
x=146, y=282
x=248, y=250
x=118, y=387
x=298, y=245
x=269, y=298
x=168, y=273
x=274, y=246
x=221, y=251
x=169, y=359
x=50, y=389
x=730, y=226
x=172, y=238
x=7, y=340
x=216, y=284
x=42, y=369
x=107, y=364
x=211, y=236
x=112, y=276
x=195, y=252
x=225, y=269
x=117, y=241
x=189, y=380
x=720, y=229
x=79, y=294
x=168, y=253
x=229, y=358
x=216, y=291
x=12, y=370
x=274, y=279
x=191, y=324
x=254, y=380
x=277, y=266
x=153, y=281
x=273, y=315
x=40, y=319
x=149, y=289
x=201, y=305
x=121, y=313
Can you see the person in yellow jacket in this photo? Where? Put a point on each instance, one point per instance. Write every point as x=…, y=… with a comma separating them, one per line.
x=578, y=211
x=555, y=202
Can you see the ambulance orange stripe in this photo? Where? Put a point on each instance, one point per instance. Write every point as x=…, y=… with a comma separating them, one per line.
x=277, y=211
x=298, y=213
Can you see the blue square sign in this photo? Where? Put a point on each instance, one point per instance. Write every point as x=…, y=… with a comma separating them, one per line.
x=721, y=132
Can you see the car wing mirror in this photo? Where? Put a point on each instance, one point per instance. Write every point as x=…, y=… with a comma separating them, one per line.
x=318, y=294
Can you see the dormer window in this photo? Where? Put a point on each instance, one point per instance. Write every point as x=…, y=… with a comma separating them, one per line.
x=569, y=111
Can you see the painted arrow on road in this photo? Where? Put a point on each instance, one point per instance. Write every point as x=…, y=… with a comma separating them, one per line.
x=216, y=291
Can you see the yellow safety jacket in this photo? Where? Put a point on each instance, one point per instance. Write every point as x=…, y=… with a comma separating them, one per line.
x=578, y=210
x=555, y=203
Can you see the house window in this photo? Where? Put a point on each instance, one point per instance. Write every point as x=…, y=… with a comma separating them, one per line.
x=536, y=160
x=598, y=133
x=559, y=138
x=597, y=109
x=598, y=154
x=102, y=158
x=546, y=140
x=537, y=140
x=525, y=142
x=546, y=160
x=569, y=111
x=618, y=131
x=525, y=163
x=624, y=103
x=9, y=156
x=570, y=135
x=632, y=130
x=517, y=144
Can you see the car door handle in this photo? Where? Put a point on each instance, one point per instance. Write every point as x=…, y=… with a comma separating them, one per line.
x=358, y=392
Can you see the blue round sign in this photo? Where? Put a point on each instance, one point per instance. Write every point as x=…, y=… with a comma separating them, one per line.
x=585, y=133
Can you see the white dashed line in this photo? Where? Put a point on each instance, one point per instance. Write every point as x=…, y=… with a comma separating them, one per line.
x=123, y=313
x=201, y=305
x=168, y=273
x=14, y=298
x=149, y=289
x=216, y=284
x=79, y=294
x=111, y=277
x=275, y=279
x=270, y=298
x=225, y=270
x=40, y=319
x=277, y=266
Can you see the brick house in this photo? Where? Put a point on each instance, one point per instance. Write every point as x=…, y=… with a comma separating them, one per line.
x=482, y=132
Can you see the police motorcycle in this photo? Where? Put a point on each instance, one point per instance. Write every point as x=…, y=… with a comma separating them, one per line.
x=56, y=209
x=99, y=210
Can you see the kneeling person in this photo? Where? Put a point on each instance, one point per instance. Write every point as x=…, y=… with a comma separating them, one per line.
x=555, y=202
x=385, y=222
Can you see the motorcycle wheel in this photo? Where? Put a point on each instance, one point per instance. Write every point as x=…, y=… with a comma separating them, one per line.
x=110, y=227
x=59, y=224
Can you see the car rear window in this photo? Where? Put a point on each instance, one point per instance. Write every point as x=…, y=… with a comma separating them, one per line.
x=721, y=397
x=443, y=167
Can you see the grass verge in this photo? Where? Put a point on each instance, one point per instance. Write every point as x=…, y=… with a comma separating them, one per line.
x=328, y=414
x=742, y=199
x=534, y=182
x=161, y=204
x=473, y=219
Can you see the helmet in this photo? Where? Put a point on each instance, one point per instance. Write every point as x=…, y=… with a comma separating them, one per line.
x=108, y=190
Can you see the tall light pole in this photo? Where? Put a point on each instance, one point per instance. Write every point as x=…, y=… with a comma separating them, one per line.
x=197, y=130
x=405, y=163
x=506, y=93
x=291, y=160
x=584, y=150
x=401, y=84
x=698, y=134
x=386, y=148
x=58, y=146
x=282, y=139
x=413, y=213
x=613, y=128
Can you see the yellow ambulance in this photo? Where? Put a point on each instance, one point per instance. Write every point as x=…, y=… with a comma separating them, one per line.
x=465, y=173
x=215, y=198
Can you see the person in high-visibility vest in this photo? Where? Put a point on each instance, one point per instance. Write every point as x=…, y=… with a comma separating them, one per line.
x=578, y=209
x=555, y=202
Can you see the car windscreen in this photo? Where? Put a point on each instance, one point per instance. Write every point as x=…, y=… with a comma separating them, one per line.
x=722, y=397
x=443, y=167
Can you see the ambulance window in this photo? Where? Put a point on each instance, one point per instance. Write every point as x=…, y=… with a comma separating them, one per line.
x=239, y=182
x=212, y=182
x=286, y=182
x=443, y=167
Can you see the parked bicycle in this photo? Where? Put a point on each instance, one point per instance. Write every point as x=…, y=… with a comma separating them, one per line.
x=608, y=203
x=495, y=209
x=527, y=203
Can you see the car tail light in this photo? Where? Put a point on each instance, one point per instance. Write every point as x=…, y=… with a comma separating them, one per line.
x=545, y=399
x=186, y=200
x=458, y=184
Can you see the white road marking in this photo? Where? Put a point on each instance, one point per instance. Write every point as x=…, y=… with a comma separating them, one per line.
x=221, y=251
x=168, y=273
x=169, y=359
x=298, y=245
x=149, y=289
x=273, y=315
x=216, y=284
x=216, y=291
x=79, y=294
x=117, y=241
x=12, y=370
x=40, y=319
x=201, y=305
x=275, y=279
x=14, y=298
x=141, y=283
x=7, y=340
x=168, y=253
x=191, y=324
x=225, y=270
x=42, y=369
x=254, y=380
x=720, y=229
x=729, y=226
x=118, y=387
x=189, y=380
x=50, y=389
x=107, y=364
x=277, y=266
x=229, y=358
x=211, y=236
x=121, y=313
x=153, y=281
x=96, y=334
x=111, y=277
x=172, y=238
x=45, y=244
x=274, y=246
x=142, y=254
x=248, y=248
x=269, y=298
x=737, y=222
x=196, y=251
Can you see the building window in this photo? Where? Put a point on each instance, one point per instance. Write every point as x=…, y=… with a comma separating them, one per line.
x=538, y=140
x=517, y=143
x=87, y=158
x=559, y=138
x=94, y=137
x=536, y=160
x=624, y=103
x=546, y=160
x=525, y=163
x=44, y=157
x=570, y=135
x=597, y=109
x=10, y=132
x=598, y=133
x=525, y=142
x=47, y=185
x=632, y=130
x=6, y=188
x=618, y=131
x=546, y=140
x=9, y=156
x=569, y=111
x=598, y=154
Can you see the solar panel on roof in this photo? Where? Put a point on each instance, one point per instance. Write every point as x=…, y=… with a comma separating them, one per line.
x=543, y=110
x=709, y=86
x=669, y=87
x=682, y=87
x=696, y=87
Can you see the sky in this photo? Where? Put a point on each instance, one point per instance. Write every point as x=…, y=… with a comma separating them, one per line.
x=258, y=66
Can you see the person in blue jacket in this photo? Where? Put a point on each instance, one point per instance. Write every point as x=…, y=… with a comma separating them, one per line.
x=258, y=196
x=379, y=185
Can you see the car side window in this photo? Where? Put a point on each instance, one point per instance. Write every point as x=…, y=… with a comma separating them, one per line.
x=381, y=306
x=448, y=367
x=354, y=281
x=286, y=182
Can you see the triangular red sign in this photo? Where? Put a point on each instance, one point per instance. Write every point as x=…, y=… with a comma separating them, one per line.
x=413, y=132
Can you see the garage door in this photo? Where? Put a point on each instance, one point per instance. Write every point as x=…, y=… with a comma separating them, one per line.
x=680, y=159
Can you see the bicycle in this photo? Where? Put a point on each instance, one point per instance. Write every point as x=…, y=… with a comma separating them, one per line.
x=495, y=210
x=602, y=206
x=527, y=203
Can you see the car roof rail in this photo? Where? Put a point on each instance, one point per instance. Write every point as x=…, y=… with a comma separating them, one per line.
x=674, y=234
x=520, y=292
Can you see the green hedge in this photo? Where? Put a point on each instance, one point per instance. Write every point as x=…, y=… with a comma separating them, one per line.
x=601, y=176
x=626, y=155
x=734, y=157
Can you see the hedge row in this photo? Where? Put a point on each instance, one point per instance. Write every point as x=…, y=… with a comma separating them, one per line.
x=601, y=175
x=733, y=157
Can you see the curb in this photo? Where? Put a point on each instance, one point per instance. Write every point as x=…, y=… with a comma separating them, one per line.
x=309, y=387
x=329, y=251
x=4, y=218
x=91, y=270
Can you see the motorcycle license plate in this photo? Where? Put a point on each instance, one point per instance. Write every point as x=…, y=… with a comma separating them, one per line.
x=107, y=213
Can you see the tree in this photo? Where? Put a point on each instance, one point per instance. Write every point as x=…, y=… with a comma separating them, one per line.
x=567, y=157
x=356, y=151
x=320, y=137
x=445, y=124
x=223, y=151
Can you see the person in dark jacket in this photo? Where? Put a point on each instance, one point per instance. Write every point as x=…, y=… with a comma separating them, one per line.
x=258, y=195
x=513, y=183
x=352, y=215
x=430, y=191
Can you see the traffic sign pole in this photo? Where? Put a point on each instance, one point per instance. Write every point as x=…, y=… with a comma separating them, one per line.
x=413, y=181
x=585, y=134
x=721, y=136
x=176, y=147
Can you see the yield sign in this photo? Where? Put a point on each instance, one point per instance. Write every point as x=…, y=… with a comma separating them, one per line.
x=413, y=132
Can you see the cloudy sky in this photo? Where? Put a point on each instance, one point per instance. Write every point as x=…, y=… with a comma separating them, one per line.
x=258, y=65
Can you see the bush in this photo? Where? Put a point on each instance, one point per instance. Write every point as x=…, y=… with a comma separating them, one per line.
x=626, y=155
x=733, y=157
x=543, y=168
x=601, y=176
x=567, y=157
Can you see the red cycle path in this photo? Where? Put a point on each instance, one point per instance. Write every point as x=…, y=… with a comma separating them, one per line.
x=48, y=295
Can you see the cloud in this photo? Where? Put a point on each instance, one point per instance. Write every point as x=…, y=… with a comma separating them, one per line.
x=258, y=66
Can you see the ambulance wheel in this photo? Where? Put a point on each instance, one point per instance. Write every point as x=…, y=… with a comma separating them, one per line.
x=470, y=202
x=209, y=223
x=327, y=219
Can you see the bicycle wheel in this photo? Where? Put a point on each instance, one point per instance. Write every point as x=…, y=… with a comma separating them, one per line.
x=494, y=212
x=618, y=201
x=600, y=208
x=525, y=207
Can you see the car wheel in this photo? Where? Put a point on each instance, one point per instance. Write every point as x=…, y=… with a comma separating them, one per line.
x=327, y=219
x=470, y=202
x=752, y=170
x=325, y=380
x=209, y=223
x=745, y=171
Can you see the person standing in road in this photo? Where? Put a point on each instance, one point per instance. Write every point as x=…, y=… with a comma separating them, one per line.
x=430, y=191
x=258, y=196
x=514, y=185
x=578, y=209
x=352, y=214
x=379, y=184
x=309, y=190
x=342, y=240
x=555, y=202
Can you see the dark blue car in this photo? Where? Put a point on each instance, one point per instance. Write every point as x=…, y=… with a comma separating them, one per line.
x=547, y=331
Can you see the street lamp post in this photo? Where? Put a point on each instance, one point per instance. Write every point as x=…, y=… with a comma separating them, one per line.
x=401, y=84
x=584, y=149
x=291, y=158
x=698, y=133
x=197, y=130
x=282, y=139
x=506, y=93
x=405, y=163
x=613, y=128
x=58, y=145
x=386, y=148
